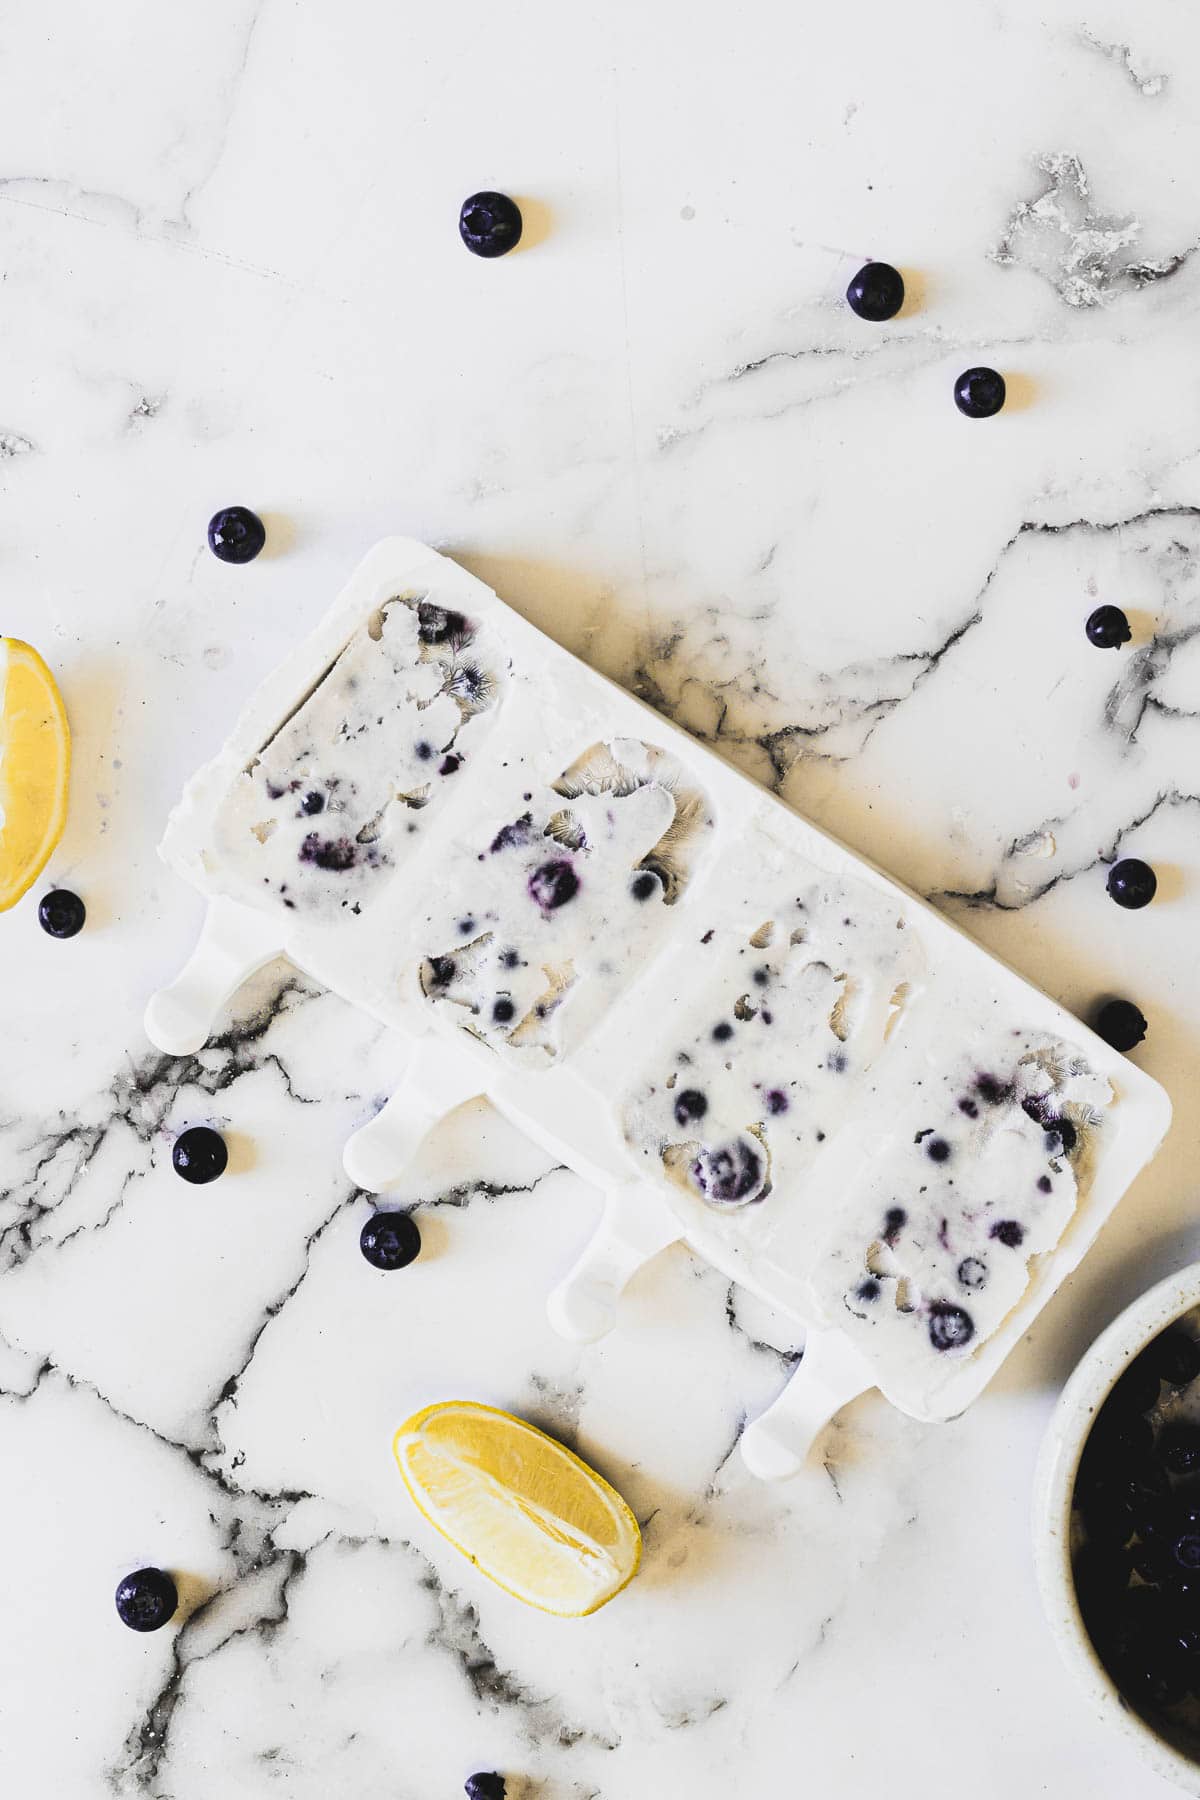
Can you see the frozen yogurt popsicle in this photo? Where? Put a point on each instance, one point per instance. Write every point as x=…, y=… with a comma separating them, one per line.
x=552, y=901
x=337, y=798
x=977, y=1174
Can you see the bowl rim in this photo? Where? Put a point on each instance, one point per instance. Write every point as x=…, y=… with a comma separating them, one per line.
x=1054, y=1481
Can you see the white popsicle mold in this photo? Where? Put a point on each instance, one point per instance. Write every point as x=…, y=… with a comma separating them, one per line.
x=569, y=1107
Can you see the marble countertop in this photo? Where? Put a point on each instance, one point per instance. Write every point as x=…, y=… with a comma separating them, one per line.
x=231, y=273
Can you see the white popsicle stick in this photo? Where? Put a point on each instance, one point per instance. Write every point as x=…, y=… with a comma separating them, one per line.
x=234, y=942
x=831, y=1373
x=635, y=1227
x=438, y=1078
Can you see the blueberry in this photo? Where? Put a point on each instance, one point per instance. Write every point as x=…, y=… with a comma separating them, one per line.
x=777, y=1101
x=761, y=977
x=1045, y=1185
x=979, y=393
x=553, y=884
x=435, y=624
x=312, y=803
x=503, y=1010
x=867, y=1290
x=991, y=1090
x=723, y=1032
x=728, y=1173
x=968, y=1107
x=894, y=1222
x=490, y=224
x=441, y=971
x=1008, y=1232
x=509, y=959
x=876, y=293
x=61, y=913
x=644, y=883
x=938, y=1149
x=950, y=1328
x=972, y=1272
x=1185, y=1551
x=199, y=1154
x=1175, y=1356
x=1120, y=1023
x=236, y=535
x=1179, y=1448
x=1132, y=883
x=333, y=854
x=1108, y=628
x=690, y=1104
x=485, y=1787
x=146, y=1599
x=390, y=1240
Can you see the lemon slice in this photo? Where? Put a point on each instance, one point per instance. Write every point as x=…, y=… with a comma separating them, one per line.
x=35, y=758
x=524, y=1510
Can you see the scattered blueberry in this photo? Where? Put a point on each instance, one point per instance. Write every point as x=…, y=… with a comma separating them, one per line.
x=490, y=224
x=968, y=1107
x=61, y=913
x=1120, y=1023
x=1175, y=1356
x=972, y=1272
x=333, y=854
x=644, y=883
x=236, y=535
x=690, y=1104
x=146, y=1600
x=509, y=959
x=950, y=1328
x=485, y=1787
x=553, y=884
x=1045, y=1185
x=761, y=976
x=938, y=1149
x=1132, y=883
x=1179, y=1448
x=777, y=1101
x=312, y=803
x=867, y=1290
x=441, y=971
x=876, y=293
x=979, y=393
x=991, y=1090
x=1108, y=628
x=1009, y=1233
x=723, y=1032
x=503, y=1010
x=728, y=1173
x=199, y=1154
x=390, y=1240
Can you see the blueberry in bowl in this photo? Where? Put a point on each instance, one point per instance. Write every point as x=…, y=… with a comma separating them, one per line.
x=1117, y=1525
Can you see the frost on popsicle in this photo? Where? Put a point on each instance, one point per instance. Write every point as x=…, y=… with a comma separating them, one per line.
x=552, y=905
x=340, y=793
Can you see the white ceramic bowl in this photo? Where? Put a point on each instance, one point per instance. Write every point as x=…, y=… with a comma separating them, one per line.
x=1174, y=1755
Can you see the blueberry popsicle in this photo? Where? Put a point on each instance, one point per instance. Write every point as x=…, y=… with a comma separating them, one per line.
x=780, y=1020
x=976, y=1172
x=339, y=795
x=551, y=903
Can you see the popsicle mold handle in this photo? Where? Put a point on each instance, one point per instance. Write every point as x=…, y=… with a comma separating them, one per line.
x=636, y=1225
x=433, y=1084
x=831, y=1373
x=234, y=941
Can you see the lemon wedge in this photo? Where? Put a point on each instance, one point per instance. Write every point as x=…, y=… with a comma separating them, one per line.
x=524, y=1510
x=35, y=759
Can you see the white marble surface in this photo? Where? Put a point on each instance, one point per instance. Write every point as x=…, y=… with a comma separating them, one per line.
x=231, y=272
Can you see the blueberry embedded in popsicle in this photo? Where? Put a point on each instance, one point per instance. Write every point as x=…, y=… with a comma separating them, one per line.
x=61, y=913
x=390, y=1240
